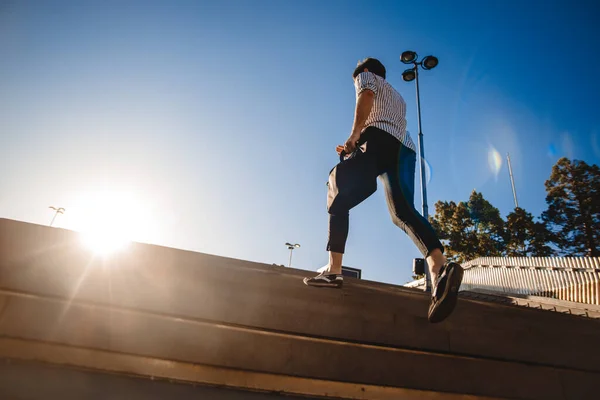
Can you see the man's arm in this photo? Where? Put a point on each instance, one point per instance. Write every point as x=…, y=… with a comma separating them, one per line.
x=364, y=105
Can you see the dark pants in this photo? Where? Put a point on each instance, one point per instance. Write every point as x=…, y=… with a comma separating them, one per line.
x=355, y=179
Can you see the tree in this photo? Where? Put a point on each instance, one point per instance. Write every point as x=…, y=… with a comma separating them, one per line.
x=540, y=243
x=469, y=230
x=525, y=237
x=453, y=225
x=488, y=226
x=573, y=214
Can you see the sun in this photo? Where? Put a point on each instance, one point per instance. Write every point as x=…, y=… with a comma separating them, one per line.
x=103, y=241
x=109, y=220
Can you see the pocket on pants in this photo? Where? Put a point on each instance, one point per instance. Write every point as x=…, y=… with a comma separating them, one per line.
x=351, y=182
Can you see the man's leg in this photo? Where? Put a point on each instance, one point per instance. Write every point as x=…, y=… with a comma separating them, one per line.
x=436, y=261
x=406, y=217
x=398, y=181
x=446, y=277
x=350, y=183
x=335, y=263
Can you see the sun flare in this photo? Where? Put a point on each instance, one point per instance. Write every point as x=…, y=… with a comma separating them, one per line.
x=103, y=242
x=494, y=161
x=109, y=220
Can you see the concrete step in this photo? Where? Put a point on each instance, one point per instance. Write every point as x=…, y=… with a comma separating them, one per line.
x=62, y=383
x=193, y=308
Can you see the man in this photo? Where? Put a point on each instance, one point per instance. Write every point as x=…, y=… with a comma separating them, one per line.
x=379, y=146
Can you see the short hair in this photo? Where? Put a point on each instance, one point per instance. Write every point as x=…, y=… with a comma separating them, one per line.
x=372, y=64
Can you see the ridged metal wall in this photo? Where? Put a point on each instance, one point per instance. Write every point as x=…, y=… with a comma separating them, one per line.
x=566, y=278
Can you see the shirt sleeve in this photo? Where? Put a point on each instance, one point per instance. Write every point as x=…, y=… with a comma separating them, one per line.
x=365, y=81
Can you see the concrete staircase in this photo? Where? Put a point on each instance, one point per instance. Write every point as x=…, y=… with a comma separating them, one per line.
x=237, y=328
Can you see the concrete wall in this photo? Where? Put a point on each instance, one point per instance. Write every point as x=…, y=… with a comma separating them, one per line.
x=369, y=340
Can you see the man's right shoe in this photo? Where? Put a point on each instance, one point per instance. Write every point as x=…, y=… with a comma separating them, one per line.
x=325, y=280
x=445, y=292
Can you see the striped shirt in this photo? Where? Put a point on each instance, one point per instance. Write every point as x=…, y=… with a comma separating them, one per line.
x=389, y=109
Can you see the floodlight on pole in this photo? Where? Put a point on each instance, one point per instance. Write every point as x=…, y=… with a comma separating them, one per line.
x=58, y=210
x=291, y=248
x=409, y=75
x=427, y=63
x=408, y=57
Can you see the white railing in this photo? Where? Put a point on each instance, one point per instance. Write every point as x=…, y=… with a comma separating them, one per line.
x=565, y=278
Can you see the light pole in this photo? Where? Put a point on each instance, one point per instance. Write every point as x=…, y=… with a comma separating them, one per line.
x=429, y=62
x=291, y=248
x=59, y=210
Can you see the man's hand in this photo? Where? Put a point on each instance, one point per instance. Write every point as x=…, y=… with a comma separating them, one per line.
x=350, y=144
x=364, y=105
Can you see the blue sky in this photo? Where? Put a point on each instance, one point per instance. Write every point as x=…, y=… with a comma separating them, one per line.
x=212, y=126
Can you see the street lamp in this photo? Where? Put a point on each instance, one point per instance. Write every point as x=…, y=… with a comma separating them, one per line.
x=291, y=248
x=427, y=63
x=59, y=210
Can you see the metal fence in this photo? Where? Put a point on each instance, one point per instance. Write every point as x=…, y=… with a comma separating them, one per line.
x=565, y=278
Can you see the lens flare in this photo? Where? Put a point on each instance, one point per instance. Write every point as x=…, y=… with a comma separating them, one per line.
x=428, y=171
x=494, y=161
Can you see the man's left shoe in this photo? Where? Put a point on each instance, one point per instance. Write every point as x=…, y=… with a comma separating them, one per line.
x=325, y=280
x=445, y=292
